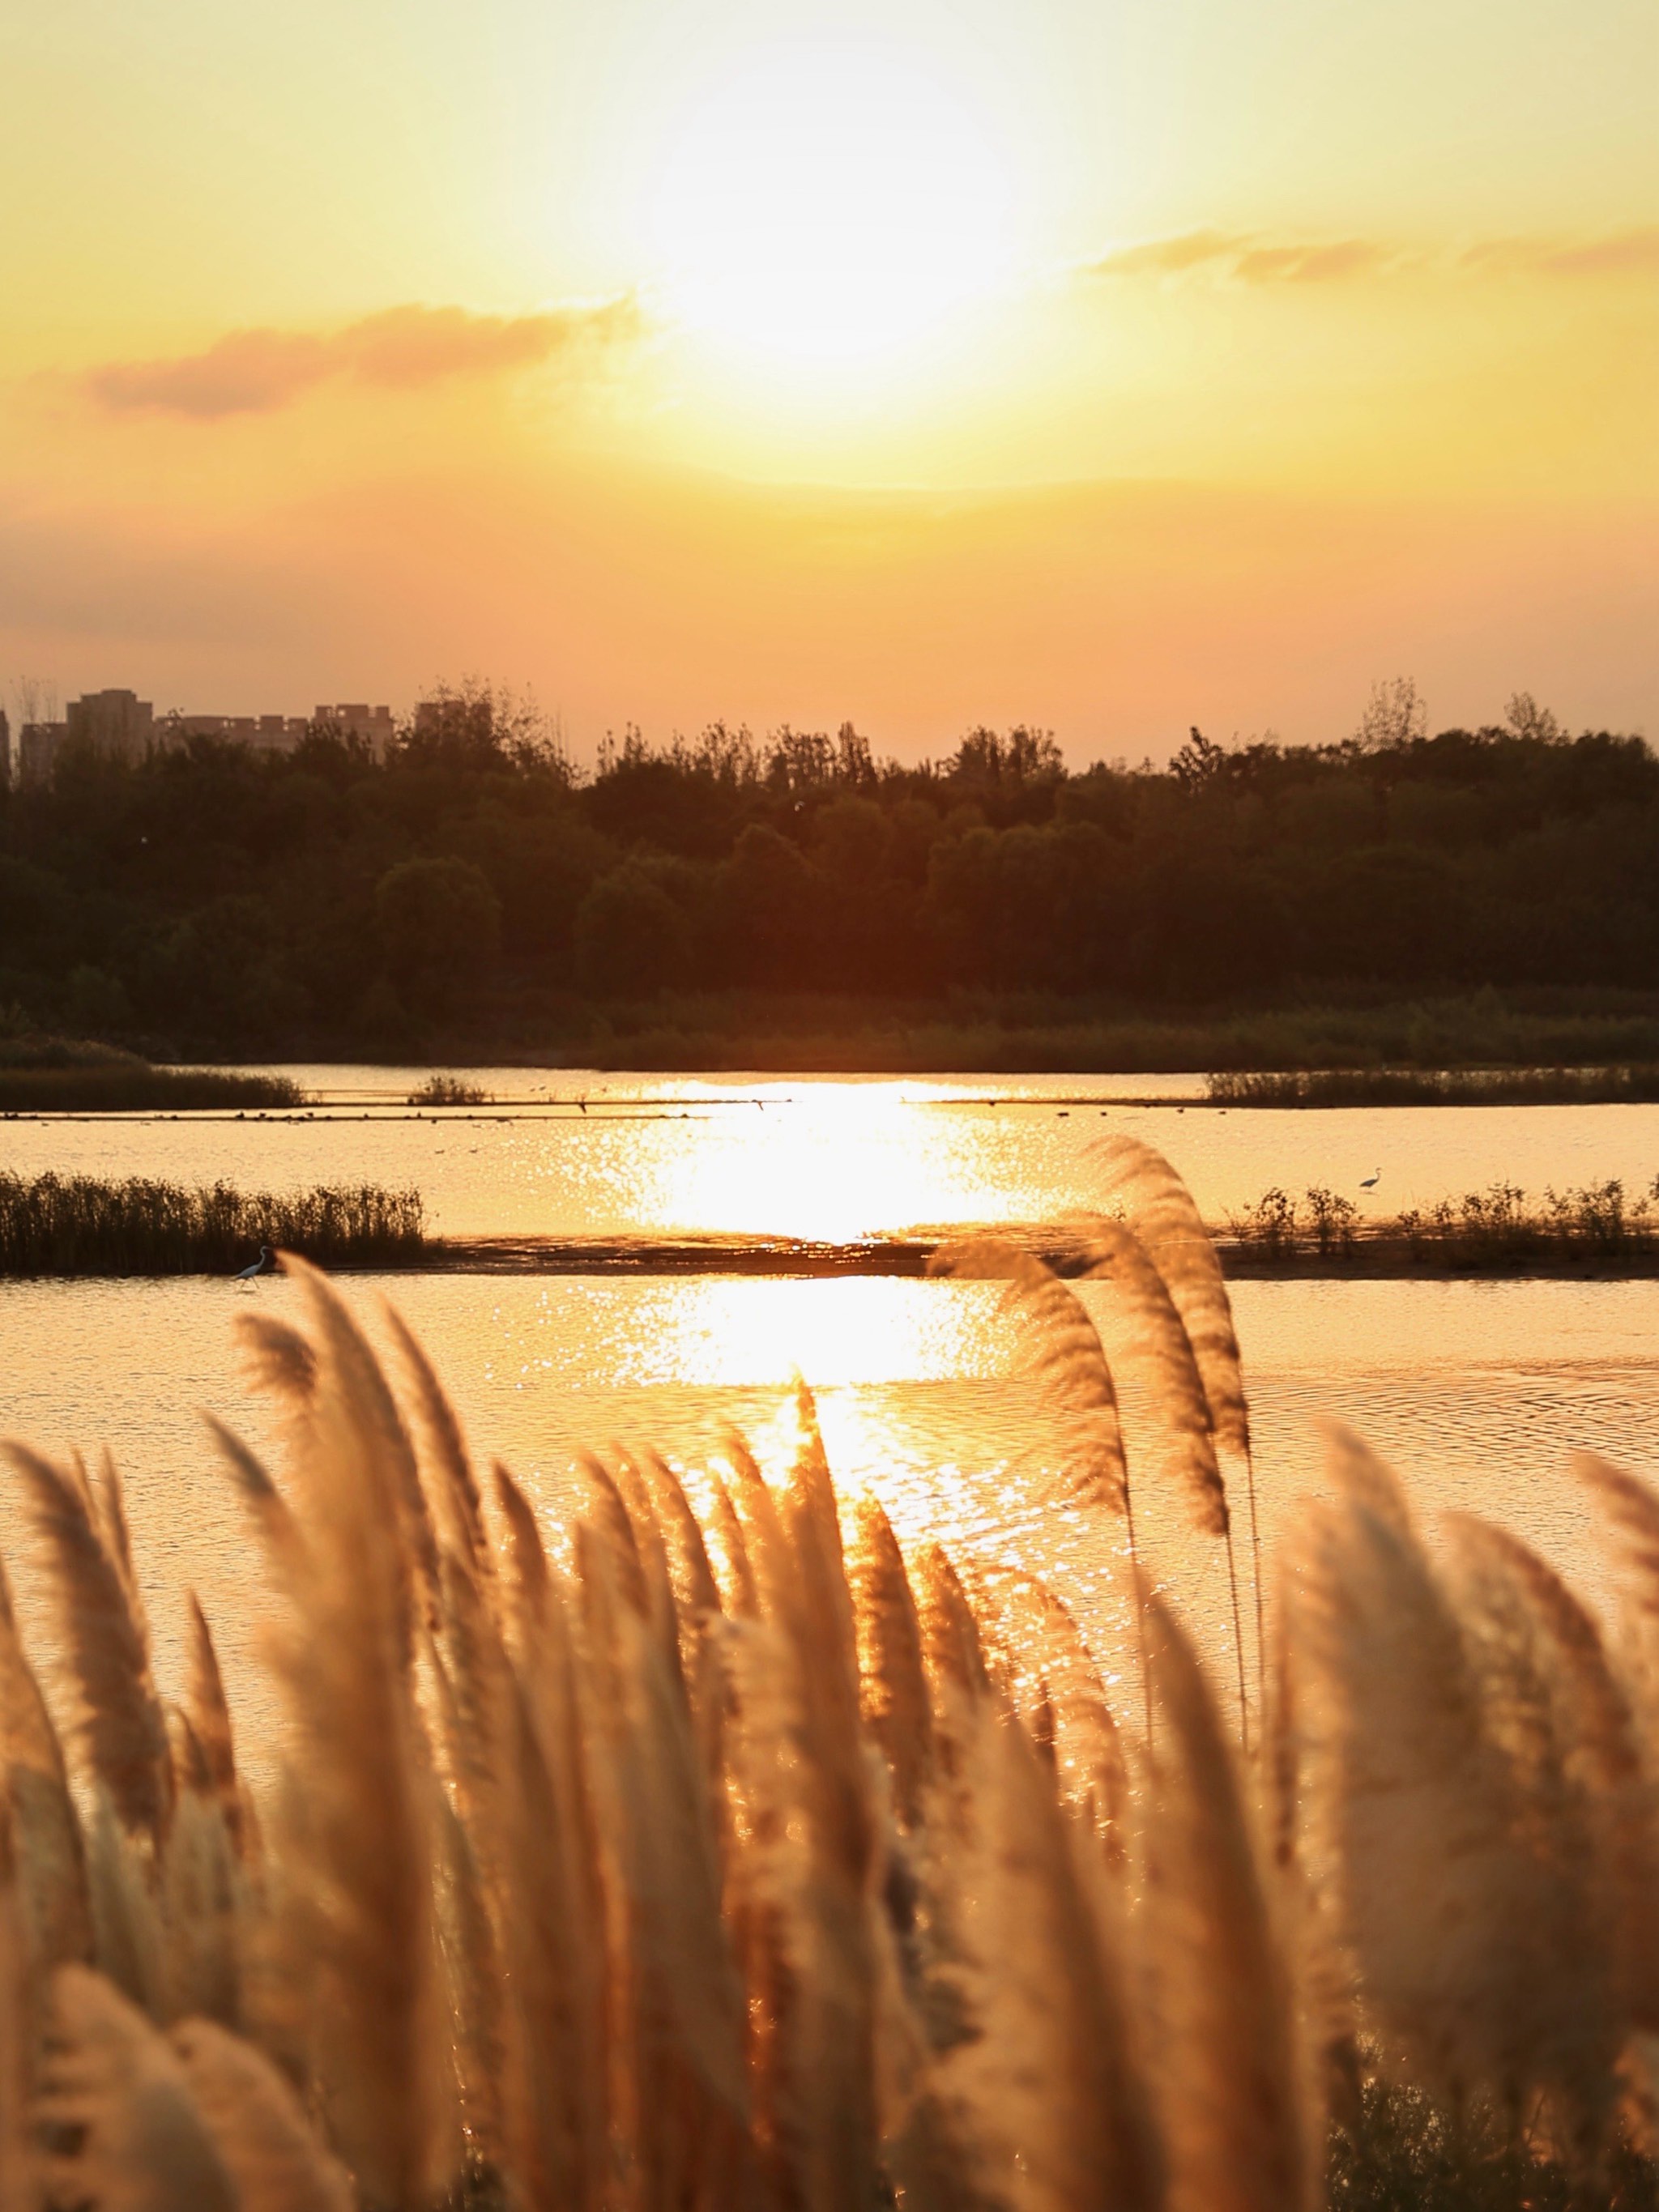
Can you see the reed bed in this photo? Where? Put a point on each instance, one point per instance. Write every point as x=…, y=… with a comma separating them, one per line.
x=717, y=1850
x=448, y=1091
x=124, y=1085
x=1421, y=1086
x=1597, y=1225
x=54, y=1224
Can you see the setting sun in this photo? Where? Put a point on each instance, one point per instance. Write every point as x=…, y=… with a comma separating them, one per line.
x=829, y=204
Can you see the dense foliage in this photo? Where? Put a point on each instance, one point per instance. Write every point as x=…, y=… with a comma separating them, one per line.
x=211, y=898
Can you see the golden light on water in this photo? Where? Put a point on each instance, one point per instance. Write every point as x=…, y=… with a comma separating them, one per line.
x=831, y=1161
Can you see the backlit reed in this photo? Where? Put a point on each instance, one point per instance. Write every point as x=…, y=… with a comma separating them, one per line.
x=720, y=1848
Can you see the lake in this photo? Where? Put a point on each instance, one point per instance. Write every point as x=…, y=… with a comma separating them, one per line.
x=1478, y=1391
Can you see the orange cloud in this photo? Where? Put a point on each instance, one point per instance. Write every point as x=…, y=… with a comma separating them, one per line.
x=1169, y=257
x=1239, y=255
x=1620, y=253
x=255, y=372
x=1250, y=260
x=1308, y=265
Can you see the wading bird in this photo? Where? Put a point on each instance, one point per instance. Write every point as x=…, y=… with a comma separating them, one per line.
x=265, y=1265
x=1372, y=1181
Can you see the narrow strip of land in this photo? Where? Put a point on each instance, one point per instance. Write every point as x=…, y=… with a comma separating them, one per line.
x=1370, y=1255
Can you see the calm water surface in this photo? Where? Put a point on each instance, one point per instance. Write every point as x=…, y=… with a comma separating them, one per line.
x=569, y=1155
x=1478, y=1392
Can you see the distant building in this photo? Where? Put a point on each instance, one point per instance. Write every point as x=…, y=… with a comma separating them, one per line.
x=120, y=726
x=37, y=750
x=264, y=733
x=373, y=724
x=117, y=724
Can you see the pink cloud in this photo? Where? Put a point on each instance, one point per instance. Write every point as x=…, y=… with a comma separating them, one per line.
x=255, y=372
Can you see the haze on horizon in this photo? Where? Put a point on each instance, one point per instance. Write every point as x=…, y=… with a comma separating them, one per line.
x=1109, y=368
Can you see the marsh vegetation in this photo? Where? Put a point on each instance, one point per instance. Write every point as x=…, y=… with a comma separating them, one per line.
x=41, y=1074
x=722, y=1845
x=1599, y=1224
x=1426, y=1086
x=52, y=1224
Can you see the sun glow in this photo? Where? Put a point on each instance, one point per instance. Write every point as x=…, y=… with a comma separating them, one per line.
x=831, y=206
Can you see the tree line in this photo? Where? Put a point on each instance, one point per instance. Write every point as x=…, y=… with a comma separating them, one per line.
x=212, y=899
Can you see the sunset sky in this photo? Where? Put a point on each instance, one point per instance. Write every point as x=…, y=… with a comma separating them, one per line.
x=1109, y=364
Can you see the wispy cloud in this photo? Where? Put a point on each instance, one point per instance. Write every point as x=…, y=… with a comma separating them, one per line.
x=1250, y=259
x=1620, y=254
x=256, y=372
x=1169, y=257
x=1247, y=258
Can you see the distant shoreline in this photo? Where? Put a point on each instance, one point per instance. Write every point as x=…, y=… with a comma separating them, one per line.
x=1374, y=1257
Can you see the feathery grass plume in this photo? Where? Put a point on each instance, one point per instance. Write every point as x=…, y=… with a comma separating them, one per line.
x=48, y=1859
x=1533, y=1709
x=257, y=2126
x=1437, y=1899
x=652, y=1550
x=117, y=1715
x=1145, y=1327
x=1631, y=1509
x=467, y=1702
x=208, y=1715
x=201, y=1896
x=1230, y=2076
x=559, y=2127
x=1051, y=1678
x=375, y=1412
x=123, y=1884
x=1058, y=1345
x=1148, y=1330
x=609, y=1522
x=357, y=1846
x=125, y=2133
x=957, y=1674
x=1602, y=1751
x=1044, y=2091
x=450, y=1487
x=741, y=1599
x=801, y=1886
x=1160, y=1209
x=892, y=1682
x=276, y=1357
x=697, y=1594
x=18, y=1981
x=678, y=2017
x=267, y=1507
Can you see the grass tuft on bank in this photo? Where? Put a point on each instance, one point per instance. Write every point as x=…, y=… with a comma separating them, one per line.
x=78, y=1225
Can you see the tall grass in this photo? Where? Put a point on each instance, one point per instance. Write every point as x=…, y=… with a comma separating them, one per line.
x=1420, y=1087
x=127, y=1085
x=696, y=1853
x=54, y=1224
x=40, y=1073
x=1599, y=1224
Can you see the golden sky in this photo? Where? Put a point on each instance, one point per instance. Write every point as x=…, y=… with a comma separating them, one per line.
x=1110, y=364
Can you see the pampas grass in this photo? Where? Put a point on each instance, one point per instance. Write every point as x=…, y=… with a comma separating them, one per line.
x=725, y=1848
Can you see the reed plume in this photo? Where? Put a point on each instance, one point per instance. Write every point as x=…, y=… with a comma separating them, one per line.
x=1231, y=2077
x=749, y=1863
x=117, y=1715
x=1160, y=1209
